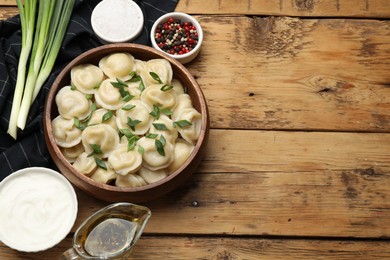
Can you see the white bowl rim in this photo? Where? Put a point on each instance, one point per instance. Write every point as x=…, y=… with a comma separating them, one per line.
x=177, y=15
x=72, y=218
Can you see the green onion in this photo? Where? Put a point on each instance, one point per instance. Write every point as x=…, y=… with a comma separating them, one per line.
x=160, y=126
x=52, y=22
x=155, y=77
x=107, y=116
x=27, y=19
x=156, y=112
x=182, y=123
x=166, y=87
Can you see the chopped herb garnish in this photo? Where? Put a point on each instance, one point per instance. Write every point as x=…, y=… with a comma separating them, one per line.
x=182, y=123
x=72, y=87
x=166, y=111
x=132, y=141
x=156, y=112
x=137, y=78
x=95, y=150
x=151, y=136
x=100, y=163
x=155, y=77
x=78, y=124
x=107, y=116
x=141, y=149
x=126, y=132
x=160, y=126
x=159, y=147
x=132, y=74
x=121, y=85
x=128, y=107
x=162, y=140
x=166, y=87
x=132, y=123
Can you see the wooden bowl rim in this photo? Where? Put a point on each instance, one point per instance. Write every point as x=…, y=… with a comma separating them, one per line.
x=101, y=51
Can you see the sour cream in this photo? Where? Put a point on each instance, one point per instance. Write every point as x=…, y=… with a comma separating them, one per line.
x=117, y=20
x=38, y=208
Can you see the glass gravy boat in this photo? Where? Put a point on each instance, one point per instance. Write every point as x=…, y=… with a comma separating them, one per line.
x=110, y=233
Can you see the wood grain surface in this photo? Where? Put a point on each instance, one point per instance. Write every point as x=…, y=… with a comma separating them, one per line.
x=297, y=165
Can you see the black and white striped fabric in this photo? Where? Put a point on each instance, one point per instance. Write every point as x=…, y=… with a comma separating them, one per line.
x=29, y=149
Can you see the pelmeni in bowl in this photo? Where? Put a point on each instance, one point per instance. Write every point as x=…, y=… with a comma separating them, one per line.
x=137, y=133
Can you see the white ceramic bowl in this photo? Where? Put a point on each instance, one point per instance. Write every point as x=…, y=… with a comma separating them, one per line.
x=115, y=21
x=182, y=58
x=38, y=209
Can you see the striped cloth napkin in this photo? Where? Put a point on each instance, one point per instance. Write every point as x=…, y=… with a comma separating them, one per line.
x=30, y=150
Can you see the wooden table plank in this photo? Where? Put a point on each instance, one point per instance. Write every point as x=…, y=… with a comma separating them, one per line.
x=280, y=183
x=302, y=8
x=310, y=8
x=291, y=73
x=168, y=247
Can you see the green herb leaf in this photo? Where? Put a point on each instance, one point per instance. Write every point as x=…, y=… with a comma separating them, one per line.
x=107, y=116
x=119, y=83
x=160, y=126
x=141, y=150
x=126, y=132
x=159, y=147
x=155, y=77
x=162, y=140
x=100, y=163
x=166, y=87
x=127, y=97
x=132, y=74
x=166, y=111
x=132, y=141
x=128, y=107
x=182, y=123
x=156, y=112
x=137, y=78
x=78, y=124
x=88, y=96
x=72, y=87
x=151, y=136
x=96, y=149
x=132, y=123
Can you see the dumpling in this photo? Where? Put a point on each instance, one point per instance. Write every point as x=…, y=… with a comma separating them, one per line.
x=117, y=65
x=137, y=112
x=153, y=95
x=103, y=175
x=183, y=150
x=134, y=90
x=103, y=136
x=86, y=78
x=152, y=176
x=139, y=66
x=97, y=118
x=152, y=159
x=124, y=161
x=108, y=96
x=161, y=67
x=191, y=132
x=71, y=153
x=65, y=133
x=170, y=134
x=177, y=87
x=72, y=103
x=129, y=180
x=183, y=101
x=85, y=164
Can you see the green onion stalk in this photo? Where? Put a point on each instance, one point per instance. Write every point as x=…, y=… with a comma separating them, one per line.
x=27, y=20
x=52, y=22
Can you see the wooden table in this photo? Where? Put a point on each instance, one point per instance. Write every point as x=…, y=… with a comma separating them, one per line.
x=298, y=162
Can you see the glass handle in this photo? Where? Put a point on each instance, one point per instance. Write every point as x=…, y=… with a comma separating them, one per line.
x=70, y=254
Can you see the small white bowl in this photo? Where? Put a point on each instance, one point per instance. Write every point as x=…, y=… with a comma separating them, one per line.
x=182, y=58
x=38, y=209
x=115, y=21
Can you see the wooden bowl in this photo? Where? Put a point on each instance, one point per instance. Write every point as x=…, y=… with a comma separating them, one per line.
x=112, y=193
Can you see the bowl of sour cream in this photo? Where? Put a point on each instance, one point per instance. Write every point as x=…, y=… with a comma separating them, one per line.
x=38, y=209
